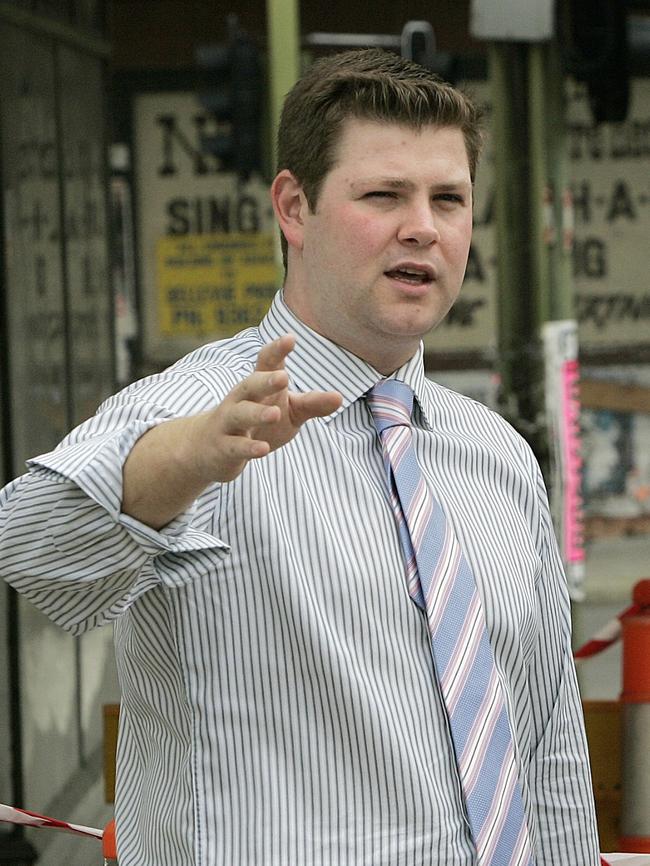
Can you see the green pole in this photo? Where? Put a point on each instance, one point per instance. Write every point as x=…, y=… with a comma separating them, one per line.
x=283, y=25
x=551, y=247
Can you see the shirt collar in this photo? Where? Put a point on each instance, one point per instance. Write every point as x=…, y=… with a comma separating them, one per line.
x=412, y=373
x=318, y=364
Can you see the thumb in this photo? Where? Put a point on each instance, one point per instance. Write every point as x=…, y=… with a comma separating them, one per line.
x=314, y=404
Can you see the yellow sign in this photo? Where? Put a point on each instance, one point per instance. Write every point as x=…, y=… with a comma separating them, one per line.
x=211, y=286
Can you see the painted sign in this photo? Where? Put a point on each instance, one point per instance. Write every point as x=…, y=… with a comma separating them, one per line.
x=215, y=284
x=182, y=196
x=610, y=167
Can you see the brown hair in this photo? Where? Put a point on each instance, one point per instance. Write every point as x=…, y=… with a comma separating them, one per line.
x=368, y=84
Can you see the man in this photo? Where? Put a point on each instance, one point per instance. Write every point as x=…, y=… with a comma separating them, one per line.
x=281, y=704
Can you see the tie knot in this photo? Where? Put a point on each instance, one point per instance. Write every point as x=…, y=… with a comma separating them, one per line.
x=391, y=404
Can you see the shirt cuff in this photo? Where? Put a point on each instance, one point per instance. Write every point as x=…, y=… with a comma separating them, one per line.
x=95, y=466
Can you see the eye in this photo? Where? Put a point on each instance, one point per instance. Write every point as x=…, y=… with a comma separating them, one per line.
x=379, y=193
x=453, y=197
x=450, y=197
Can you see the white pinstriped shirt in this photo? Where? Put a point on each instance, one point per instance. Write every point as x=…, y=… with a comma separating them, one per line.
x=279, y=706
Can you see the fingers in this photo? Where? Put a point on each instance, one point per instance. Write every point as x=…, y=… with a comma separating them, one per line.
x=259, y=386
x=241, y=448
x=245, y=415
x=269, y=378
x=273, y=355
x=314, y=404
x=260, y=414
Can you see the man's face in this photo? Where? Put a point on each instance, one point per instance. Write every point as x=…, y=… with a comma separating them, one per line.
x=381, y=259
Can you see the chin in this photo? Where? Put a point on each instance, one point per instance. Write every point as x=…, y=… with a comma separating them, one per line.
x=416, y=327
x=422, y=317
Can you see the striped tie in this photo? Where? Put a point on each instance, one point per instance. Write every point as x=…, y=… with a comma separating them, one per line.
x=441, y=582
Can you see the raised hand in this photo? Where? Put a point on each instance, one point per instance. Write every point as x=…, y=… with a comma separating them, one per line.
x=171, y=464
x=259, y=415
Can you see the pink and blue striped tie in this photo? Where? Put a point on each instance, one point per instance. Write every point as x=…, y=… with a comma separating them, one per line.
x=441, y=582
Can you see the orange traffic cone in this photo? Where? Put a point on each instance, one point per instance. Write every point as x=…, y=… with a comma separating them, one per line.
x=108, y=843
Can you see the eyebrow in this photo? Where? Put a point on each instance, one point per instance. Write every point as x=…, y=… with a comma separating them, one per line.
x=399, y=183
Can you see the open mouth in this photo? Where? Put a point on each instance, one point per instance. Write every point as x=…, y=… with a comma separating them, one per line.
x=414, y=276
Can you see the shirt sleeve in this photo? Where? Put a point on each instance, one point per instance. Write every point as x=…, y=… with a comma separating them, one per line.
x=65, y=544
x=560, y=776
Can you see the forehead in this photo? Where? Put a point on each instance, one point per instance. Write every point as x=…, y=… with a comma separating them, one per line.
x=367, y=147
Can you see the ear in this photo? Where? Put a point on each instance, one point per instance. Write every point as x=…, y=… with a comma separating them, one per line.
x=290, y=206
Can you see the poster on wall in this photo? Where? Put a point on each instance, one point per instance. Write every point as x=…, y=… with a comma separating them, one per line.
x=611, y=202
x=562, y=378
x=185, y=204
x=211, y=285
x=616, y=448
x=38, y=388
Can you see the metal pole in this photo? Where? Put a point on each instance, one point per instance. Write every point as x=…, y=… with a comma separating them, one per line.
x=283, y=23
x=543, y=235
x=533, y=223
x=562, y=290
x=551, y=208
x=518, y=356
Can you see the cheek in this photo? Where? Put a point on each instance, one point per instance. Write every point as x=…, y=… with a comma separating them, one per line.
x=458, y=245
x=359, y=233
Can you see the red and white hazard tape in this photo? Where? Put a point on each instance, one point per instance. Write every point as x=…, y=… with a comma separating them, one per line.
x=607, y=635
x=611, y=631
x=12, y=815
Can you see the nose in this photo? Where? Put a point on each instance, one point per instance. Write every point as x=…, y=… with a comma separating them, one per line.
x=419, y=226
